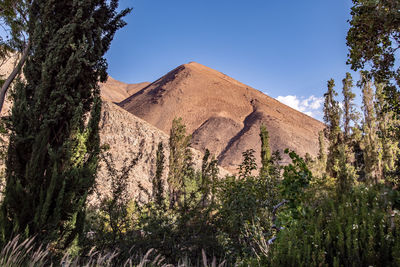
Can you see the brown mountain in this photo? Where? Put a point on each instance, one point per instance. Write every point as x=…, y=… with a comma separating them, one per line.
x=116, y=91
x=223, y=114
x=128, y=136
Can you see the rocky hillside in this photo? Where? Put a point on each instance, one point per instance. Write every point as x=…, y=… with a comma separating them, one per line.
x=223, y=114
x=128, y=136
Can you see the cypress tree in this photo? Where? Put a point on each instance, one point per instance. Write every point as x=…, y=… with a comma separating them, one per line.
x=209, y=170
x=322, y=157
x=265, y=152
x=158, y=185
x=209, y=176
x=333, y=133
x=358, y=151
x=54, y=143
x=269, y=171
x=180, y=162
x=338, y=164
x=347, y=174
x=388, y=145
x=204, y=163
x=349, y=112
x=370, y=138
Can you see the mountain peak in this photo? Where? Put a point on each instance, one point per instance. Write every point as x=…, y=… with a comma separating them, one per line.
x=194, y=64
x=223, y=114
x=197, y=67
x=206, y=73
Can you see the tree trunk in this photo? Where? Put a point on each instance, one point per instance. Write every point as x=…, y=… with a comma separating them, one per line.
x=13, y=74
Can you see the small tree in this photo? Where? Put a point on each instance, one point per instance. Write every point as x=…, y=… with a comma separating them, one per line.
x=243, y=204
x=265, y=152
x=112, y=220
x=184, y=226
x=322, y=157
x=248, y=165
x=180, y=163
x=158, y=183
x=209, y=176
x=269, y=170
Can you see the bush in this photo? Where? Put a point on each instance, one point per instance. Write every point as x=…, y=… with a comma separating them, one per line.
x=360, y=228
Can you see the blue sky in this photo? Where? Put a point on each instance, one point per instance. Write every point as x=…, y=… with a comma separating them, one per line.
x=287, y=49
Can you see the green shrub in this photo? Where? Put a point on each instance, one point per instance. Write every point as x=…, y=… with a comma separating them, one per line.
x=360, y=228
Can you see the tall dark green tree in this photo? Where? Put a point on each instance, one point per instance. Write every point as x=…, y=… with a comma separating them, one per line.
x=349, y=111
x=157, y=182
x=54, y=144
x=322, y=156
x=347, y=174
x=338, y=163
x=333, y=132
x=209, y=176
x=270, y=172
x=266, y=157
x=180, y=163
x=370, y=140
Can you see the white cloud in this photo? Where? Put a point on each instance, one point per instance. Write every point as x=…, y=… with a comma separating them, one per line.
x=290, y=100
x=313, y=102
x=309, y=113
x=312, y=106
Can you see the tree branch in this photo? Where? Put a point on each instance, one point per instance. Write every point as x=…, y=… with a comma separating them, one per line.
x=13, y=74
x=278, y=229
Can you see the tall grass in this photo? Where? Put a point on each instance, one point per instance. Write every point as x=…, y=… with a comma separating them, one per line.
x=27, y=253
x=19, y=252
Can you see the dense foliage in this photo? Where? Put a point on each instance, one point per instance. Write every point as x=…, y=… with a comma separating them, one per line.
x=356, y=229
x=374, y=37
x=54, y=142
x=373, y=40
x=339, y=209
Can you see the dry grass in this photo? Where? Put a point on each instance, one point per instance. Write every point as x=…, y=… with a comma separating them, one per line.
x=18, y=252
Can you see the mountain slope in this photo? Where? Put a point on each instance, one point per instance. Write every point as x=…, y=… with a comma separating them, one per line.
x=128, y=136
x=223, y=114
x=116, y=91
